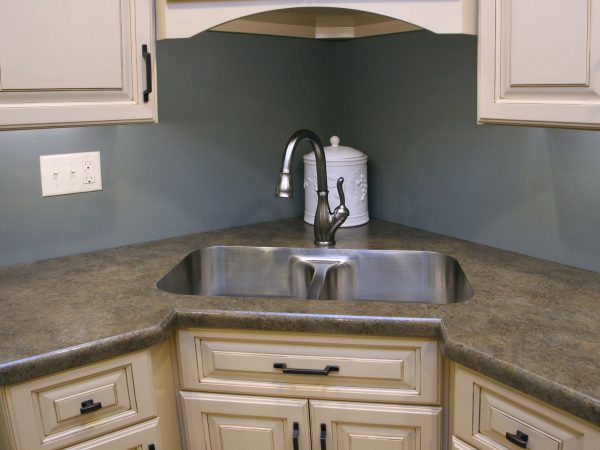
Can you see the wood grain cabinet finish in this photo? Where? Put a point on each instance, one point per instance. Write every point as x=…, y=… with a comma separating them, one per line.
x=59, y=410
x=539, y=62
x=68, y=62
x=369, y=369
x=488, y=416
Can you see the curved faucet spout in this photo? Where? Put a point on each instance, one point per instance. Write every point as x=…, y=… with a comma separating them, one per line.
x=285, y=187
x=326, y=223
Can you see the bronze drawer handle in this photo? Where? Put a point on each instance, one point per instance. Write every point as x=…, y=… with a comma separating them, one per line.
x=296, y=435
x=520, y=439
x=89, y=406
x=325, y=371
x=323, y=437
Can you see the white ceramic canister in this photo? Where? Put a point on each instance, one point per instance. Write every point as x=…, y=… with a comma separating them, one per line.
x=344, y=162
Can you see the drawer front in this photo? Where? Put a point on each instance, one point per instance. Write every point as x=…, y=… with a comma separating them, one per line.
x=501, y=419
x=80, y=401
x=492, y=417
x=144, y=436
x=321, y=366
x=66, y=408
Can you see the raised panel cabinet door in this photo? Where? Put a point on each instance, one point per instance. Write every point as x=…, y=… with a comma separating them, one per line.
x=72, y=62
x=539, y=62
x=363, y=426
x=236, y=422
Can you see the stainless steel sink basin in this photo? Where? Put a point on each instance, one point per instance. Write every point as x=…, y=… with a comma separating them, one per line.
x=314, y=273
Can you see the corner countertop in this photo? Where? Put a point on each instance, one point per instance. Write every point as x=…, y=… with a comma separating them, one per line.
x=532, y=324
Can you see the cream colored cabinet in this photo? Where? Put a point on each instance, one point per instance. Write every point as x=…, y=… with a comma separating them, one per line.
x=114, y=405
x=488, y=416
x=139, y=437
x=388, y=370
x=539, y=62
x=231, y=422
x=315, y=19
x=68, y=62
x=393, y=386
x=363, y=426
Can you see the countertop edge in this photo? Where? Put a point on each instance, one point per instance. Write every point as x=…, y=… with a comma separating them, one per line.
x=542, y=389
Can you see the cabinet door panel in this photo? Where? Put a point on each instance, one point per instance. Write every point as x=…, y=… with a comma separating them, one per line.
x=539, y=62
x=68, y=62
x=233, y=422
x=74, y=50
x=356, y=426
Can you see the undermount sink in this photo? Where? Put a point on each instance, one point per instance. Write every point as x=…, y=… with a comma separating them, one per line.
x=315, y=273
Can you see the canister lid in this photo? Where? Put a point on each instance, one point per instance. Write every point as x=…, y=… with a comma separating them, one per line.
x=336, y=152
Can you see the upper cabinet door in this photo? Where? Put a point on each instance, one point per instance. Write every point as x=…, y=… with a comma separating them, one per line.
x=539, y=62
x=73, y=62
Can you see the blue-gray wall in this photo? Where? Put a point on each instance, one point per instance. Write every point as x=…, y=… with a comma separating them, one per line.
x=227, y=104
x=409, y=102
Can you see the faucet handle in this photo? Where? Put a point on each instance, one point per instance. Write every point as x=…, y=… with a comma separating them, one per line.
x=340, y=190
x=341, y=210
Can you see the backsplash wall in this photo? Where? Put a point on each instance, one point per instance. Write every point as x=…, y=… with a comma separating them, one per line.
x=409, y=102
x=227, y=104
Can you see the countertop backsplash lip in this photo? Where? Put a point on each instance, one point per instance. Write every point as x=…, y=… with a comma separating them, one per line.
x=78, y=309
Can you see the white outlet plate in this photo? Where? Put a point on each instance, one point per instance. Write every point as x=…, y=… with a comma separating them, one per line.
x=70, y=173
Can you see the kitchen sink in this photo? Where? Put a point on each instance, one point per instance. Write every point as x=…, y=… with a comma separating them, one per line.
x=316, y=273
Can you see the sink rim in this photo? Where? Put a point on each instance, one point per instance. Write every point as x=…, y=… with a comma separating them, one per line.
x=463, y=292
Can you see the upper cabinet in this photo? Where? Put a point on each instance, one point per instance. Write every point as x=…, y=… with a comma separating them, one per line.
x=68, y=62
x=539, y=62
x=315, y=18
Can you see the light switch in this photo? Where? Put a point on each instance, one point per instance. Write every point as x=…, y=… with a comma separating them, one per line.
x=70, y=173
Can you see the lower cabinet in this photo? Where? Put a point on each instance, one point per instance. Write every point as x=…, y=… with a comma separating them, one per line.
x=292, y=391
x=116, y=404
x=364, y=426
x=140, y=437
x=231, y=422
x=489, y=416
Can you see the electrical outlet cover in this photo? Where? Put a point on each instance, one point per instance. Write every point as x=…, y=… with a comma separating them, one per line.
x=70, y=173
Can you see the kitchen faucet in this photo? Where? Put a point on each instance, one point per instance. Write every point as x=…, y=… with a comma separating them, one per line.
x=326, y=222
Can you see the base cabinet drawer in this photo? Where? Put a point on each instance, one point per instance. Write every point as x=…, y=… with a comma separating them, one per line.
x=489, y=416
x=59, y=410
x=144, y=436
x=316, y=366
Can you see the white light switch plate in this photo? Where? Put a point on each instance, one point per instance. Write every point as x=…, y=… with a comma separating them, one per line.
x=70, y=173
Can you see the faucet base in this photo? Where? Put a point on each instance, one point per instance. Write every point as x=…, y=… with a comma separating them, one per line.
x=325, y=243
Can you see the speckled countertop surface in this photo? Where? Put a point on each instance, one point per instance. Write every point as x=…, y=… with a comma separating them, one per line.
x=532, y=324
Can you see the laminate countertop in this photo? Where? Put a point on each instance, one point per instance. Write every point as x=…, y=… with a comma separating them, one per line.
x=531, y=324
